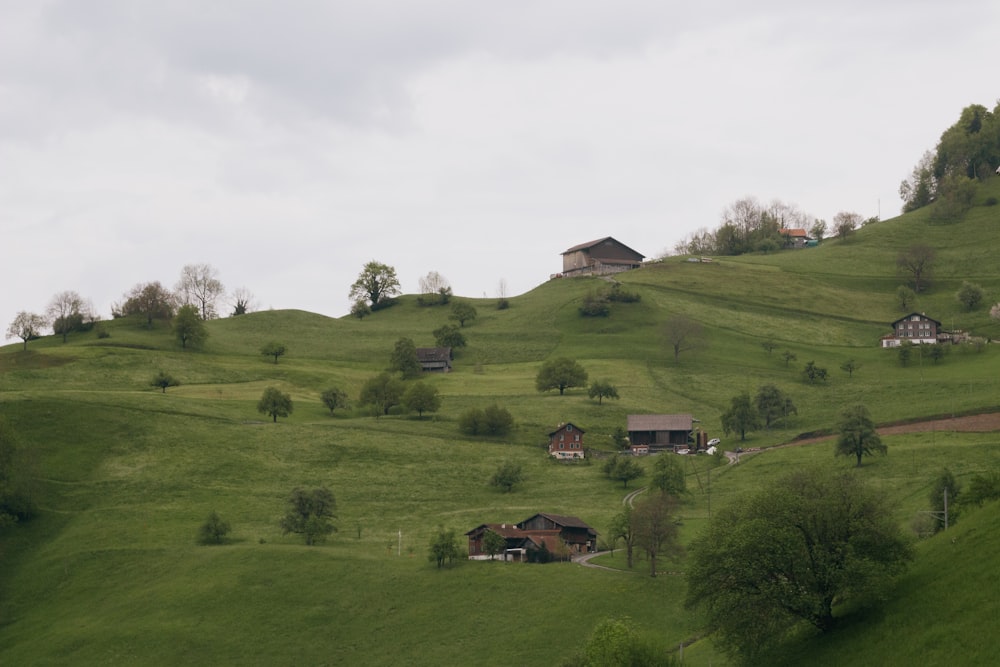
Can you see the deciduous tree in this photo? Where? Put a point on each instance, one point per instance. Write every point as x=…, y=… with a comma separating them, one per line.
x=164, y=380
x=242, y=300
x=493, y=543
x=813, y=373
x=333, y=398
x=444, y=547
x=602, y=389
x=150, y=300
x=742, y=416
x=656, y=528
x=623, y=468
x=463, y=312
x=668, y=476
x=917, y=263
x=26, y=326
x=791, y=553
x=906, y=298
x=404, y=359
x=273, y=349
x=421, y=397
x=508, y=474
x=857, y=434
x=310, y=514
x=561, y=374
x=919, y=189
x=494, y=420
x=970, y=295
x=434, y=290
x=683, y=334
x=382, y=392
x=214, y=530
x=361, y=309
x=189, y=328
x=275, y=403
x=376, y=284
x=773, y=405
x=623, y=529
x=449, y=335
x=199, y=285
x=849, y=367
x=67, y=312
x=615, y=643
x=846, y=222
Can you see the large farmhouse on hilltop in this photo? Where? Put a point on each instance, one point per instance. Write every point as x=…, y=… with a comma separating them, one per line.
x=600, y=257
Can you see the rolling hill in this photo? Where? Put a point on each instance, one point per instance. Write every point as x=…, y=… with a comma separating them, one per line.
x=109, y=571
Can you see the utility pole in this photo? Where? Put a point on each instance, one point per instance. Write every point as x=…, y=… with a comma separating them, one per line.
x=946, y=508
x=709, y=492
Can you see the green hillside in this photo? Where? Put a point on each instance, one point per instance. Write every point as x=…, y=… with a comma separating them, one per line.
x=109, y=571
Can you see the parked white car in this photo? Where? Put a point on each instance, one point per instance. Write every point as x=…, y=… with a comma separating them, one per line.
x=714, y=442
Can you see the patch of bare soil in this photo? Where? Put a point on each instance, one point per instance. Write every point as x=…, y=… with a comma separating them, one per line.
x=982, y=423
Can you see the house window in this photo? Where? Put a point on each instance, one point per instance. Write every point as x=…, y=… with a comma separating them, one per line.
x=562, y=446
x=577, y=437
x=569, y=427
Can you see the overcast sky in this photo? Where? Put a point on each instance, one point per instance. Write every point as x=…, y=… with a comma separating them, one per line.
x=288, y=143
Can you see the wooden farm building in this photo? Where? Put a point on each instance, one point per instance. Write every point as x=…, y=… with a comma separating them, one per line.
x=566, y=442
x=916, y=328
x=660, y=432
x=600, y=257
x=537, y=538
x=435, y=359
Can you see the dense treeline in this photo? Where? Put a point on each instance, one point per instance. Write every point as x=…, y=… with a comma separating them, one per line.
x=747, y=225
x=968, y=151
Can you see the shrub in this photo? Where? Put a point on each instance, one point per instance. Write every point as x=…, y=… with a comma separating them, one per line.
x=214, y=530
x=594, y=305
x=494, y=420
x=619, y=294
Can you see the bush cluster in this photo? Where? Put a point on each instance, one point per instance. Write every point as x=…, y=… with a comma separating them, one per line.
x=494, y=420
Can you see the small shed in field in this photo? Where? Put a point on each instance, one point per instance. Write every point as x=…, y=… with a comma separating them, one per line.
x=435, y=359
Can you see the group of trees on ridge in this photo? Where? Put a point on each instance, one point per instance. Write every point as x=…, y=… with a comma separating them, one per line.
x=966, y=153
x=195, y=298
x=747, y=225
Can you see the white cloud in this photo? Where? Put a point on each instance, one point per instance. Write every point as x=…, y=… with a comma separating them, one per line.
x=289, y=143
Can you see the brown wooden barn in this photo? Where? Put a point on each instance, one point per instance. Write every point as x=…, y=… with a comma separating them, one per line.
x=600, y=257
x=660, y=432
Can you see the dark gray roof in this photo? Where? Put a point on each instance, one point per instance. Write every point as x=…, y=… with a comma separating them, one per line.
x=660, y=423
x=434, y=354
x=591, y=244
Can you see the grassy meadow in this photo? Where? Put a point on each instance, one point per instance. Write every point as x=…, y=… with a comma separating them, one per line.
x=110, y=573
